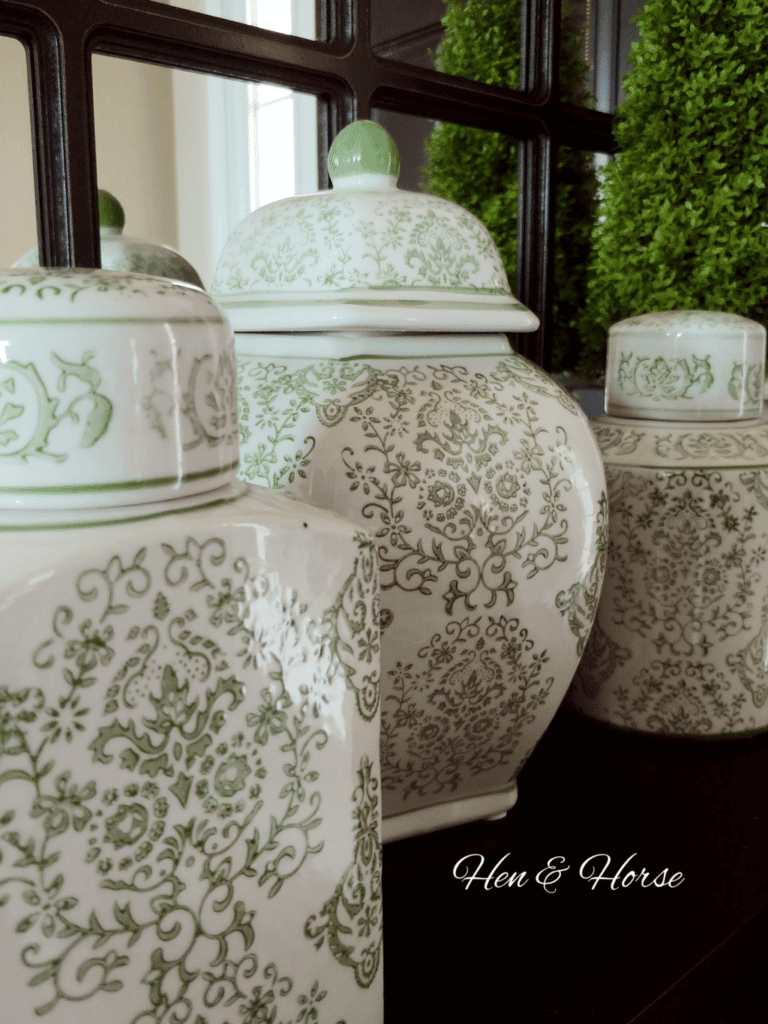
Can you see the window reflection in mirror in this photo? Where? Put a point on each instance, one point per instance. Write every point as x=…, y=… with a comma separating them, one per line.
x=407, y=32
x=17, y=188
x=188, y=155
x=291, y=17
x=606, y=31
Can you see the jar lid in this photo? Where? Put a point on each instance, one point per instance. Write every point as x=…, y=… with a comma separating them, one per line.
x=695, y=365
x=131, y=255
x=365, y=255
x=115, y=389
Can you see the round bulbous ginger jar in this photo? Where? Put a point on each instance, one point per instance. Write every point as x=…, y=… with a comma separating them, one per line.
x=189, y=709
x=374, y=380
x=680, y=642
x=130, y=255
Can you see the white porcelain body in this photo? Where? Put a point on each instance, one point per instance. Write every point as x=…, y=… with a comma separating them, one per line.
x=484, y=488
x=691, y=365
x=680, y=643
x=189, y=730
x=114, y=389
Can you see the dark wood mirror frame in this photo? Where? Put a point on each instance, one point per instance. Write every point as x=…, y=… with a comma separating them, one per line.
x=341, y=68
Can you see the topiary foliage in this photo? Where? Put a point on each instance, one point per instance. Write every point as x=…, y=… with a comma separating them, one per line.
x=685, y=219
x=478, y=168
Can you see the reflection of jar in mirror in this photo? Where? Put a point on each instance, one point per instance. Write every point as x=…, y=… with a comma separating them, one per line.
x=189, y=700
x=375, y=380
x=680, y=642
x=133, y=255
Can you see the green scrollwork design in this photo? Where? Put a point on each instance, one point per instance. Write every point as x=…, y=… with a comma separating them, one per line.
x=684, y=559
x=351, y=918
x=35, y=414
x=186, y=813
x=579, y=602
x=664, y=379
x=680, y=697
x=352, y=624
x=462, y=709
x=746, y=382
x=602, y=658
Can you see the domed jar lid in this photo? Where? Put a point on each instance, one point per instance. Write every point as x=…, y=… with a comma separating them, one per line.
x=134, y=255
x=365, y=255
x=692, y=365
x=115, y=389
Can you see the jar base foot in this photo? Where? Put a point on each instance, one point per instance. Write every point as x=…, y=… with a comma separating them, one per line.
x=491, y=806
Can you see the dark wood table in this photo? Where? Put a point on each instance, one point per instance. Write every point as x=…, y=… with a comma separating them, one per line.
x=596, y=952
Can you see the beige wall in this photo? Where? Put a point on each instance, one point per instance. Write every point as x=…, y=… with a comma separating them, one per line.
x=135, y=153
x=134, y=148
x=18, y=224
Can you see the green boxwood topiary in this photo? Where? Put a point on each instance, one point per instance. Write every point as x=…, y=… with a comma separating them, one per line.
x=478, y=168
x=685, y=224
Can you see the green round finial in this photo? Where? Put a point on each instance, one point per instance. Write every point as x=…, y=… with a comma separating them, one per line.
x=111, y=212
x=363, y=147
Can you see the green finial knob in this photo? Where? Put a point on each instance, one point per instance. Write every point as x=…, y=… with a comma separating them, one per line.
x=363, y=147
x=111, y=213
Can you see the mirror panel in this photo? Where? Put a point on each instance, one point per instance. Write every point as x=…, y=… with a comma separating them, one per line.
x=291, y=17
x=189, y=155
x=17, y=182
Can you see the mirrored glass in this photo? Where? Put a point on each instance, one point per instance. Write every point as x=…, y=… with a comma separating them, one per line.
x=188, y=156
x=17, y=187
x=577, y=195
x=474, y=39
x=407, y=32
x=601, y=32
x=291, y=17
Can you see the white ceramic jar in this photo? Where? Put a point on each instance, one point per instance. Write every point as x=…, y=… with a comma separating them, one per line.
x=680, y=643
x=129, y=255
x=189, y=723
x=373, y=380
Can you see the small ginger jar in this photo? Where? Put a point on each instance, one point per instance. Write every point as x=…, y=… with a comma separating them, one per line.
x=374, y=380
x=189, y=717
x=680, y=643
x=131, y=255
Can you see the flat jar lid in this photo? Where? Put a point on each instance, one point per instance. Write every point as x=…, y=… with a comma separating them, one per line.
x=686, y=365
x=365, y=255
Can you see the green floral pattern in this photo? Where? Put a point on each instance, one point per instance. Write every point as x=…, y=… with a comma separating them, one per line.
x=461, y=710
x=351, y=918
x=681, y=446
x=747, y=381
x=73, y=283
x=330, y=243
x=465, y=478
x=28, y=414
x=664, y=379
x=198, y=690
x=208, y=402
x=680, y=640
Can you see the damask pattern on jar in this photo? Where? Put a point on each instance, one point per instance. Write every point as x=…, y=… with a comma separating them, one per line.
x=680, y=643
x=472, y=476
x=176, y=718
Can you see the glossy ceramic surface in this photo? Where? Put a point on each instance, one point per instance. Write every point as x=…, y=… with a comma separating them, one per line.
x=365, y=255
x=129, y=255
x=477, y=475
x=484, y=488
x=189, y=801
x=692, y=365
x=114, y=389
x=680, y=643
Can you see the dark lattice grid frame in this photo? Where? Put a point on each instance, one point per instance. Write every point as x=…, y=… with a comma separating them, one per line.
x=341, y=68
